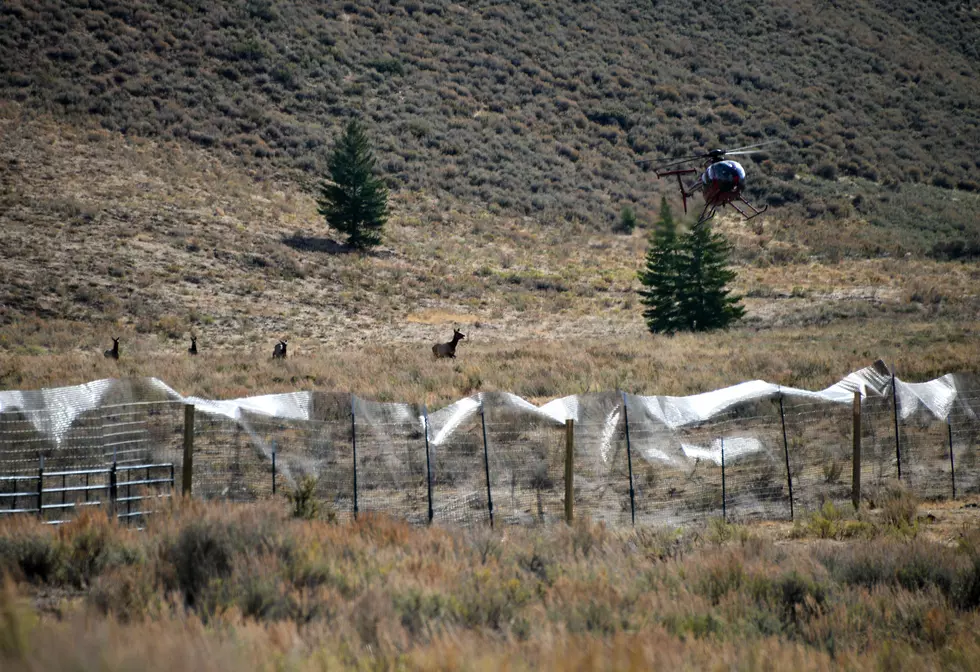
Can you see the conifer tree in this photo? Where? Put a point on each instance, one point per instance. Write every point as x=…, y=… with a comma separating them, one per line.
x=660, y=278
x=685, y=280
x=705, y=302
x=354, y=201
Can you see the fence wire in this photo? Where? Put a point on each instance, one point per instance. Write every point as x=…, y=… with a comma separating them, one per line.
x=490, y=458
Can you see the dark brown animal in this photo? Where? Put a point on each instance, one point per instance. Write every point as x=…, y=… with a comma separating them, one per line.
x=279, y=352
x=448, y=349
x=114, y=353
x=193, y=349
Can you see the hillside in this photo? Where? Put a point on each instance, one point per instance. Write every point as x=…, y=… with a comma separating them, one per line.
x=158, y=165
x=530, y=108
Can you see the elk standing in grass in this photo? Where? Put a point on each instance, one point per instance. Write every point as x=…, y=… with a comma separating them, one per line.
x=114, y=353
x=193, y=349
x=448, y=349
x=279, y=352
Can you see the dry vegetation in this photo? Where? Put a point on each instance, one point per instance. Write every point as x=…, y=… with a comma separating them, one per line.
x=157, y=162
x=152, y=241
x=533, y=108
x=221, y=587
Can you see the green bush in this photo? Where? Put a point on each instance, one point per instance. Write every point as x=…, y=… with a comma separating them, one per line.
x=303, y=499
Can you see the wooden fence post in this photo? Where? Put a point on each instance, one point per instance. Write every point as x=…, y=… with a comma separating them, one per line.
x=569, y=470
x=353, y=446
x=898, y=443
x=724, y=490
x=188, y=473
x=952, y=466
x=856, y=453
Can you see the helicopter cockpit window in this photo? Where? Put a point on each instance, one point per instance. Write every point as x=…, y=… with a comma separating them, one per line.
x=726, y=174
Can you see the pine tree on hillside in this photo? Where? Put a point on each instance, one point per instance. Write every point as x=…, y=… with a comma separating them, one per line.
x=354, y=201
x=705, y=301
x=661, y=276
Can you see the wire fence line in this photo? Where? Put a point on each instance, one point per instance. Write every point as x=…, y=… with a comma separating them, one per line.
x=496, y=459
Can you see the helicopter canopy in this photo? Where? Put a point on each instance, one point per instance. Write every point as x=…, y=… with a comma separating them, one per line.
x=725, y=175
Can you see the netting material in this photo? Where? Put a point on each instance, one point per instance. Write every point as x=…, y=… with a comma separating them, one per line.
x=498, y=448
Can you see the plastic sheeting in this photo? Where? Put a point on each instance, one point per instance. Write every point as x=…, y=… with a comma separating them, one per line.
x=498, y=453
x=53, y=411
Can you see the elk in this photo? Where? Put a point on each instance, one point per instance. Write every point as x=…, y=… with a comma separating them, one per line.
x=193, y=349
x=279, y=352
x=114, y=353
x=448, y=349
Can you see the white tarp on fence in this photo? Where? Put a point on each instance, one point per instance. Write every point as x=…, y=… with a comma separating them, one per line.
x=52, y=412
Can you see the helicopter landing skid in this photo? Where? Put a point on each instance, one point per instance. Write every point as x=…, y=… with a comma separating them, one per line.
x=755, y=211
x=710, y=209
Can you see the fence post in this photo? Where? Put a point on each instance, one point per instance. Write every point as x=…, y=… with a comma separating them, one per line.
x=486, y=462
x=629, y=460
x=113, y=493
x=40, y=485
x=273, y=468
x=952, y=467
x=353, y=443
x=789, y=474
x=856, y=453
x=188, y=473
x=428, y=464
x=569, y=470
x=724, y=492
x=898, y=446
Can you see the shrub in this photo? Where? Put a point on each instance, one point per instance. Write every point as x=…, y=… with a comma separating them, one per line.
x=899, y=509
x=93, y=547
x=34, y=553
x=627, y=220
x=826, y=523
x=203, y=552
x=303, y=499
x=826, y=170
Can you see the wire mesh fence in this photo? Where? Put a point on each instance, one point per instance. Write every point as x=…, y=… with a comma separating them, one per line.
x=495, y=459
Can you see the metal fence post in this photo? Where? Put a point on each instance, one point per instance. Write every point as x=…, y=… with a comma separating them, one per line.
x=724, y=493
x=629, y=460
x=856, y=452
x=898, y=446
x=486, y=462
x=40, y=485
x=789, y=474
x=952, y=467
x=113, y=493
x=428, y=463
x=353, y=443
x=273, y=468
x=569, y=470
x=187, y=477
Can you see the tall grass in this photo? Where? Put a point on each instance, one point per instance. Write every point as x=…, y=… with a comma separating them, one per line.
x=220, y=586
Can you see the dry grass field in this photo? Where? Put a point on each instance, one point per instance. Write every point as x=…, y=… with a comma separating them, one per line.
x=221, y=587
x=153, y=241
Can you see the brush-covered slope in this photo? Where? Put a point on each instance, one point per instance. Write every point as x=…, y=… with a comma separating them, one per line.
x=534, y=108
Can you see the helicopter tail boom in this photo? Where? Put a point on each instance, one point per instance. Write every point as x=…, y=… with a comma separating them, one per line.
x=684, y=192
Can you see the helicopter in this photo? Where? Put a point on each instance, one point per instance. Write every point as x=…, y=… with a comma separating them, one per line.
x=721, y=182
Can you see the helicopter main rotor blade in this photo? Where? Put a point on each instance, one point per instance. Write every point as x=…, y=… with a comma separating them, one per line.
x=673, y=163
x=749, y=151
x=738, y=150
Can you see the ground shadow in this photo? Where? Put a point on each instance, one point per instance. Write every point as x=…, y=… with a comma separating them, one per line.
x=316, y=244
